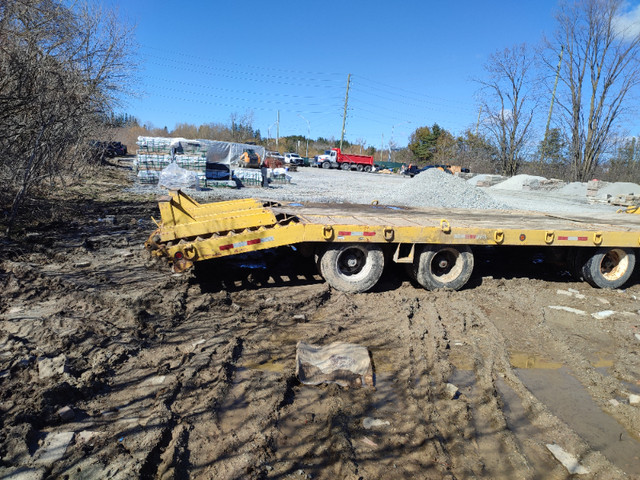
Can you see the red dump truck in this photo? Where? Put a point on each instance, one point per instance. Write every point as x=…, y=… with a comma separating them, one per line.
x=334, y=158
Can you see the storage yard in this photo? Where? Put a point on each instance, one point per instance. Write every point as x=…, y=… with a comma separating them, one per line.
x=111, y=366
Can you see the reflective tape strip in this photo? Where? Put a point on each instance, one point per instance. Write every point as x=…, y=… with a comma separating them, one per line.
x=357, y=234
x=469, y=236
x=574, y=239
x=255, y=241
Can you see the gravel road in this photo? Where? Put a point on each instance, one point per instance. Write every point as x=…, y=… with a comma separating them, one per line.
x=431, y=188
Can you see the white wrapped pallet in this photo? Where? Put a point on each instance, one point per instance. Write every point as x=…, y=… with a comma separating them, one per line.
x=209, y=159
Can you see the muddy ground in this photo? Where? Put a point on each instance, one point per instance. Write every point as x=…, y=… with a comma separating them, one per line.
x=112, y=367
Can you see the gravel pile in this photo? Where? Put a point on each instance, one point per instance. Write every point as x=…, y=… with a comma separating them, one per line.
x=620, y=188
x=435, y=188
x=578, y=189
x=517, y=182
x=482, y=177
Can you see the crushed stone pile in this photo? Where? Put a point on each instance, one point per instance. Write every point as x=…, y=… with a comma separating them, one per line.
x=518, y=182
x=435, y=188
x=619, y=188
x=485, y=180
x=578, y=189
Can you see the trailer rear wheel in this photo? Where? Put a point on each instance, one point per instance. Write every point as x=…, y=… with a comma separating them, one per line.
x=359, y=167
x=345, y=166
x=352, y=268
x=367, y=168
x=443, y=266
x=326, y=165
x=609, y=267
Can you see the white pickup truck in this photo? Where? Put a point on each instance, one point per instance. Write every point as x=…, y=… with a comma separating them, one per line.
x=293, y=159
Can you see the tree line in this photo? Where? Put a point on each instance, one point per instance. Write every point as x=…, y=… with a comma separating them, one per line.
x=63, y=68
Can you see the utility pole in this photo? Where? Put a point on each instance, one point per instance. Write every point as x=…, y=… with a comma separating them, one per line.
x=344, y=116
x=277, y=129
x=553, y=98
x=381, y=146
x=308, y=134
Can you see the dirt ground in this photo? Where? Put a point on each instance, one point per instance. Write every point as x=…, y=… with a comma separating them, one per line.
x=112, y=367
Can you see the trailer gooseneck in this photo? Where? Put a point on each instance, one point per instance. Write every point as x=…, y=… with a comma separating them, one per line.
x=349, y=242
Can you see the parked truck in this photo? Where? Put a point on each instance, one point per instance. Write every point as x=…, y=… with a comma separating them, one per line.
x=351, y=245
x=334, y=158
x=414, y=170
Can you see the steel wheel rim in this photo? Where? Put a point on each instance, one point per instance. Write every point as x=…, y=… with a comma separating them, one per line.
x=352, y=263
x=614, y=264
x=446, y=265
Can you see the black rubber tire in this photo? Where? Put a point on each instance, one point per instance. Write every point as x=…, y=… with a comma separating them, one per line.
x=609, y=267
x=367, y=168
x=359, y=167
x=345, y=166
x=443, y=266
x=576, y=259
x=352, y=267
x=326, y=165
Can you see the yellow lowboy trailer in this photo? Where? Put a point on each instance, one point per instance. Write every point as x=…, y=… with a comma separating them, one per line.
x=349, y=242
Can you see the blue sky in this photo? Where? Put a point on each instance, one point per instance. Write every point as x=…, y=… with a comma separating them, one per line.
x=412, y=62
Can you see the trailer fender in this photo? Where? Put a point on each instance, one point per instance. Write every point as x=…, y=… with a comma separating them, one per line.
x=443, y=266
x=351, y=267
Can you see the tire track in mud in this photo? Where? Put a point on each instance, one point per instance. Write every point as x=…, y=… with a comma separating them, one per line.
x=463, y=421
x=565, y=338
x=233, y=432
x=428, y=336
x=476, y=363
x=403, y=396
x=316, y=435
x=494, y=351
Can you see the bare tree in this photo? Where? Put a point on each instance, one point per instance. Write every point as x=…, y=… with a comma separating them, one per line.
x=602, y=67
x=510, y=102
x=241, y=126
x=62, y=70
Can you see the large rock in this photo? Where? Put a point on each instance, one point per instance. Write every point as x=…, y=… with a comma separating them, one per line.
x=346, y=364
x=50, y=367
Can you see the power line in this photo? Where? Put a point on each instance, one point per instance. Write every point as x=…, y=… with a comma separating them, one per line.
x=252, y=67
x=425, y=102
x=416, y=95
x=228, y=70
x=233, y=105
x=181, y=69
x=210, y=87
x=276, y=102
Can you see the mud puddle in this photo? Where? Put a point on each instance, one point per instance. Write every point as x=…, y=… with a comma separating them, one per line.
x=632, y=387
x=568, y=399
